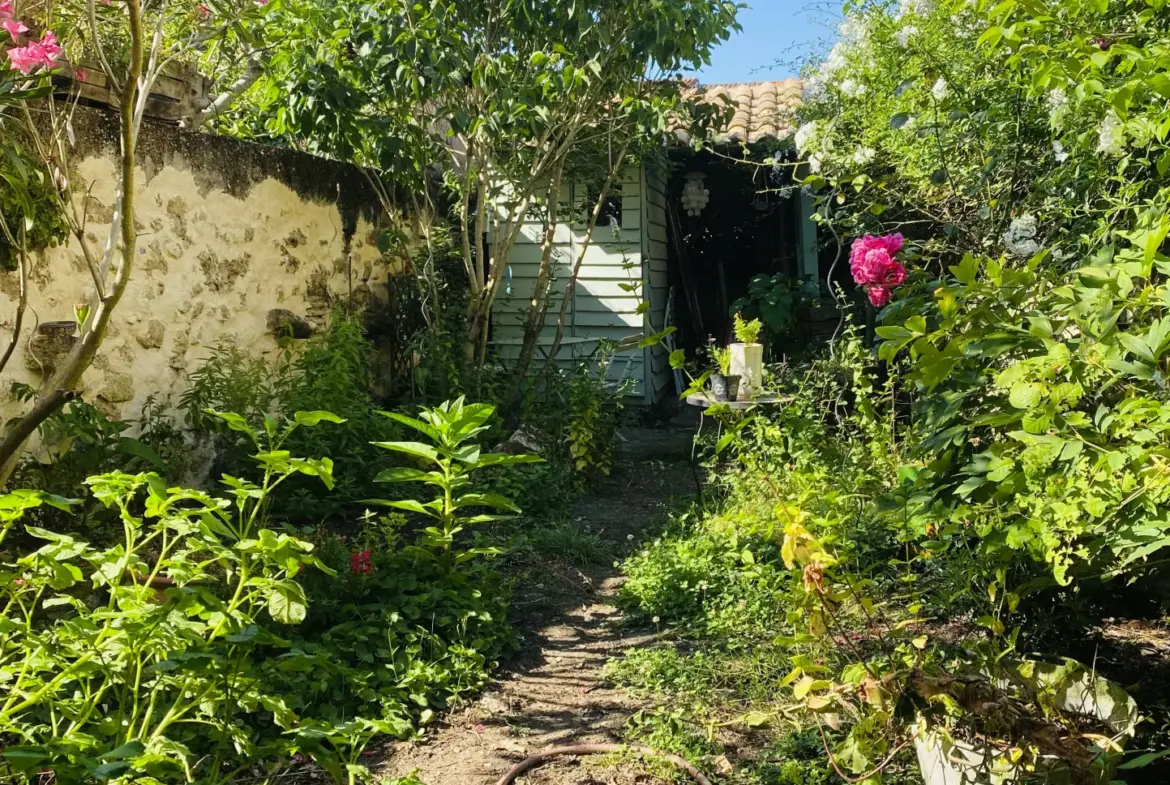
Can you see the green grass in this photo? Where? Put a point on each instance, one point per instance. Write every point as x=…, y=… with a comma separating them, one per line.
x=566, y=539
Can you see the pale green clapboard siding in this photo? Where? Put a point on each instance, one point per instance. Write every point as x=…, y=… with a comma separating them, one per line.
x=601, y=308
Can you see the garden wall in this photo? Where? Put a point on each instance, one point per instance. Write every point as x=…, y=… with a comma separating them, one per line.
x=229, y=232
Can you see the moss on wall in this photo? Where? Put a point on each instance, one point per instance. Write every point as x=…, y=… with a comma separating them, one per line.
x=228, y=232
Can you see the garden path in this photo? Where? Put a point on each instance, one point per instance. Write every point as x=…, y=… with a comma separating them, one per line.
x=552, y=692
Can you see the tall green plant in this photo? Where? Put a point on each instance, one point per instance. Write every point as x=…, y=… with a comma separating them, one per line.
x=451, y=456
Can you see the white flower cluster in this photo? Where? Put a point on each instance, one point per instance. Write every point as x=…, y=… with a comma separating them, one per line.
x=1059, y=152
x=805, y=135
x=1111, y=135
x=1020, y=238
x=835, y=61
x=914, y=8
x=864, y=155
x=1057, y=106
x=854, y=29
x=940, y=89
x=852, y=89
x=904, y=35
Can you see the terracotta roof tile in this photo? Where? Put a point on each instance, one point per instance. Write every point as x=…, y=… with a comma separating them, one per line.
x=762, y=109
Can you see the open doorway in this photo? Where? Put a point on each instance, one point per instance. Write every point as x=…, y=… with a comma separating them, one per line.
x=748, y=247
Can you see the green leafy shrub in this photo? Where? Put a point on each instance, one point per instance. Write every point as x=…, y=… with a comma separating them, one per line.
x=79, y=441
x=144, y=658
x=333, y=370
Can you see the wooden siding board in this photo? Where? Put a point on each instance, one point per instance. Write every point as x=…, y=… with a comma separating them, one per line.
x=601, y=308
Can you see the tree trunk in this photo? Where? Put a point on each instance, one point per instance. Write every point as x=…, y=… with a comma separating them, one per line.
x=538, y=305
x=59, y=388
x=21, y=305
x=571, y=284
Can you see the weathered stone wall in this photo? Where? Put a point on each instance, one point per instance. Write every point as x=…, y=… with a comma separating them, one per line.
x=229, y=231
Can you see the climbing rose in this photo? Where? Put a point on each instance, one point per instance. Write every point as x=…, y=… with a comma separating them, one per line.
x=359, y=563
x=874, y=268
x=37, y=53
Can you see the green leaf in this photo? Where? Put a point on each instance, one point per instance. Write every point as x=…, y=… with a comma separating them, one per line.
x=1136, y=346
x=233, y=421
x=495, y=500
x=130, y=749
x=1159, y=83
x=1025, y=395
x=417, y=449
x=426, y=430
x=506, y=459
x=25, y=758
x=406, y=474
x=137, y=449
x=409, y=505
x=108, y=771
x=678, y=359
x=286, y=602
x=1142, y=761
x=309, y=419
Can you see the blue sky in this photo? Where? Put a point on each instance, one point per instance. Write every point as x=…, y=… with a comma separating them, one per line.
x=773, y=30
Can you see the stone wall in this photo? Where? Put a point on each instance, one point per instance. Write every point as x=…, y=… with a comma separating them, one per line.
x=229, y=231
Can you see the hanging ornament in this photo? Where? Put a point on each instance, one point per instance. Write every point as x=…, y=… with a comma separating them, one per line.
x=694, y=194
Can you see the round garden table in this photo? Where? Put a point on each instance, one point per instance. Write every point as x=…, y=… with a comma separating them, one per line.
x=703, y=401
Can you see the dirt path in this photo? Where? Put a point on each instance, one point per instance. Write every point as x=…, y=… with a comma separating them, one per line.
x=553, y=692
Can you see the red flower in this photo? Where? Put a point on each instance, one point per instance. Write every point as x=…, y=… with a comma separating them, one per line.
x=359, y=563
x=874, y=268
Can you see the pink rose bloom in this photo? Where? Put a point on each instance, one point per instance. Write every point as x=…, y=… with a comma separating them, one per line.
x=6, y=10
x=894, y=274
x=871, y=266
x=14, y=27
x=872, y=262
x=890, y=243
x=879, y=296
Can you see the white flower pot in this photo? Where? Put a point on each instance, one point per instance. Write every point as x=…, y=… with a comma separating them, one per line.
x=945, y=761
x=747, y=362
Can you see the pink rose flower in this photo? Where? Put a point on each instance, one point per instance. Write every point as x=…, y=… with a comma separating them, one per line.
x=6, y=10
x=879, y=296
x=874, y=268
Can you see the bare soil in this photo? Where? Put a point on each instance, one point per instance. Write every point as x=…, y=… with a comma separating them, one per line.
x=552, y=693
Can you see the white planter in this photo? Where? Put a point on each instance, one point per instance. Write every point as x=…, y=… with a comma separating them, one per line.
x=945, y=761
x=747, y=362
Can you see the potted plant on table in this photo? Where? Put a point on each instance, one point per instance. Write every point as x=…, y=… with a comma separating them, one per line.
x=724, y=385
x=747, y=357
